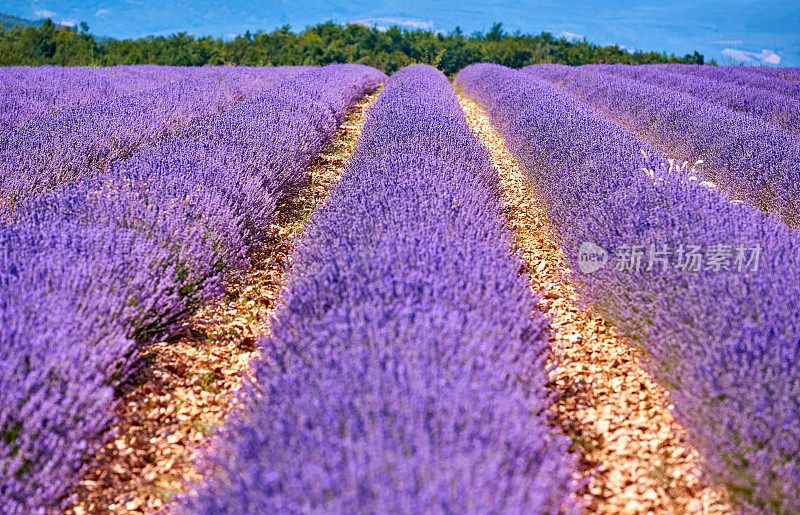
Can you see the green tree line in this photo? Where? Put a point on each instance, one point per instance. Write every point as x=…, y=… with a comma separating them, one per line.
x=388, y=50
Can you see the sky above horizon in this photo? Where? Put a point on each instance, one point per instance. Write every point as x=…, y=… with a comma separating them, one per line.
x=732, y=31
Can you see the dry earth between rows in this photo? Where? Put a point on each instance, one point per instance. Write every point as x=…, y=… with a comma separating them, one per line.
x=632, y=451
x=186, y=387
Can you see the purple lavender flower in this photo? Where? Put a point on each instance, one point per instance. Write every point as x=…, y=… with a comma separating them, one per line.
x=781, y=111
x=406, y=372
x=743, y=155
x=726, y=344
x=84, y=140
x=750, y=76
x=92, y=269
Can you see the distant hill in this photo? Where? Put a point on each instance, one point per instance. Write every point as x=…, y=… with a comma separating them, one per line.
x=10, y=21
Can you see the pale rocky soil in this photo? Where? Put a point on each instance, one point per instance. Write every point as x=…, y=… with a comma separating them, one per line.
x=186, y=387
x=633, y=454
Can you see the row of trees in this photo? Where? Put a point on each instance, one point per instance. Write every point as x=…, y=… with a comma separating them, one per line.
x=326, y=43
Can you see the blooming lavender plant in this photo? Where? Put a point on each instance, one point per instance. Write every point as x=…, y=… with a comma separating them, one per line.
x=744, y=156
x=29, y=92
x=92, y=269
x=788, y=73
x=781, y=111
x=746, y=76
x=406, y=371
x=726, y=345
x=83, y=141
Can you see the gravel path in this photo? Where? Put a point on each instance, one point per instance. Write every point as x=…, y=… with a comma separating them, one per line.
x=633, y=452
x=187, y=386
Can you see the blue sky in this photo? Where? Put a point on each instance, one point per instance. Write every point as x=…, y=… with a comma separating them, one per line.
x=756, y=32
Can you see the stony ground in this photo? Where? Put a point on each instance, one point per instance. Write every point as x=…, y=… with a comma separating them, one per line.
x=186, y=387
x=632, y=451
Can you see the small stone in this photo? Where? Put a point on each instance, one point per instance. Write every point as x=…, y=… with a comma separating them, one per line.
x=634, y=506
x=694, y=506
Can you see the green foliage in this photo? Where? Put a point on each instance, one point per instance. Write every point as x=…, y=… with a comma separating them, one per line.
x=9, y=438
x=326, y=43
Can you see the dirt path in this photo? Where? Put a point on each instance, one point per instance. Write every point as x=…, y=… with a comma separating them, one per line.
x=187, y=386
x=617, y=416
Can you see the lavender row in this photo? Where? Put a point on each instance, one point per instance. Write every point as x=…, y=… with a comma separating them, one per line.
x=27, y=93
x=791, y=74
x=742, y=76
x=406, y=373
x=778, y=110
x=91, y=270
x=83, y=141
x=744, y=156
x=724, y=340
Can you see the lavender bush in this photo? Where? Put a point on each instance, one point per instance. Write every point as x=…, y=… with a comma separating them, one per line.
x=90, y=270
x=406, y=372
x=778, y=110
x=29, y=92
x=791, y=74
x=743, y=155
x=726, y=343
x=83, y=141
x=746, y=76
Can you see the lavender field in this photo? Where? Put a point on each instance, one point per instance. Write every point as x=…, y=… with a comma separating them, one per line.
x=409, y=360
